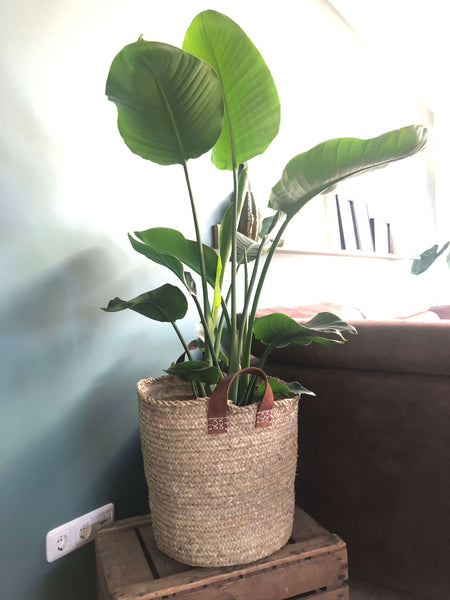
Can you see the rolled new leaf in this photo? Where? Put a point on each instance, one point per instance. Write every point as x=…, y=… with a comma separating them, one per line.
x=166, y=304
x=169, y=102
x=312, y=172
x=195, y=370
x=278, y=330
x=252, y=106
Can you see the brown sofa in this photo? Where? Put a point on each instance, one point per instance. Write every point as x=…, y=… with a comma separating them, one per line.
x=374, y=448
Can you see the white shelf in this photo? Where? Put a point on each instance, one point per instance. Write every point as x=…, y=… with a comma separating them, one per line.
x=344, y=253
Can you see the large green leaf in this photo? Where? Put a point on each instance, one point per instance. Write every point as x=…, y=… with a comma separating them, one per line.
x=312, y=172
x=166, y=304
x=278, y=330
x=170, y=248
x=251, y=100
x=171, y=262
x=195, y=370
x=169, y=102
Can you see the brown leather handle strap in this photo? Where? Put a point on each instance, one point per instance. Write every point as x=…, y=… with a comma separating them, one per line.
x=217, y=403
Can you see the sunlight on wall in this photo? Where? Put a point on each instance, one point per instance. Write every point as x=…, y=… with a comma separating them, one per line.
x=325, y=87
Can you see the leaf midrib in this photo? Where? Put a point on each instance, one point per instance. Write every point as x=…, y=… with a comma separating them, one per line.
x=170, y=112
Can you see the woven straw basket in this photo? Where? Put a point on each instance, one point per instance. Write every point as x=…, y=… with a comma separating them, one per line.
x=217, y=500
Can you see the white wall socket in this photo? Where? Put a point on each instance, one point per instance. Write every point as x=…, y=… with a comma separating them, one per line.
x=74, y=534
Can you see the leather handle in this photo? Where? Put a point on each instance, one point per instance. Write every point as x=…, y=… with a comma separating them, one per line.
x=217, y=403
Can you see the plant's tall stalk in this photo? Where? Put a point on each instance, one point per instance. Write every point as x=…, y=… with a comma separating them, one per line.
x=248, y=320
x=206, y=306
x=182, y=340
x=208, y=340
x=244, y=379
x=251, y=318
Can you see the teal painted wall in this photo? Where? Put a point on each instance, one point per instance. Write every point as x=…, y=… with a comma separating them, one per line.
x=70, y=192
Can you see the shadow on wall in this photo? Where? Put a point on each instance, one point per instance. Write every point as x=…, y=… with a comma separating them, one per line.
x=69, y=410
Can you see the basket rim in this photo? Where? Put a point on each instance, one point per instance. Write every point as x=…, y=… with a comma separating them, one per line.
x=147, y=399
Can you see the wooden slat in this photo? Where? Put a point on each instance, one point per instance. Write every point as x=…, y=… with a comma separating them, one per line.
x=274, y=584
x=340, y=593
x=305, y=527
x=122, y=561
x=102, y=588
x=162, y=564
x=130, y=523
x=295, y=569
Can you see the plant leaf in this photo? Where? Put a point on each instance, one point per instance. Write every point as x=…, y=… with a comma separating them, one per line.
x=327, y=322
x=312, y=172
x=190, y=283
x=269, y=223
x=169, y=102
x=278, y=330
x=171, y=262
x=427, y=258
x=249, y=92
x=195, y=370
x=165, y=304
x=288, y=389
x=166, y=246
x=247, y=248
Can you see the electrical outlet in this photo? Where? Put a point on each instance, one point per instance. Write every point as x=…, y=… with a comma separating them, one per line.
x=74, y=534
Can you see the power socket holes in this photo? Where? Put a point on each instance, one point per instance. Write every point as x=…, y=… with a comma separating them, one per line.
x=70, y=536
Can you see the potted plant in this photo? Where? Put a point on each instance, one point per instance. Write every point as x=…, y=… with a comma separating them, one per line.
x=224, y=499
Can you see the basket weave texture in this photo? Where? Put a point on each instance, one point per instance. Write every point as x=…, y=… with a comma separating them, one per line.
x=216, y=500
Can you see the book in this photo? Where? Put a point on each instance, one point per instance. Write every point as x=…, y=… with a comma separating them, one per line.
x=346, y=223
x=381, y=236
x=332, y=221
x=362, y=226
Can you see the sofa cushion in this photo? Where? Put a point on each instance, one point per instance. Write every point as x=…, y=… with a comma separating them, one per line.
x=393, y=346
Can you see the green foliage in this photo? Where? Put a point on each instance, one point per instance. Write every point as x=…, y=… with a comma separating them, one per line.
x=293, y=388
x=278, y=330
x=427, y=258
x=170, y=248
x=169, y=102
x=252, y=106
x=195, y=370
x=322, y=167
x=217, y=93
x=166, y=304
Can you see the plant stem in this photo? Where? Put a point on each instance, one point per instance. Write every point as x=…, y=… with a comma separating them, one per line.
x=235, y=354
x=207, y=309
x=273, y=247
x=208, y=340
x=233, y=254
x=182, y=340
x=249, y=324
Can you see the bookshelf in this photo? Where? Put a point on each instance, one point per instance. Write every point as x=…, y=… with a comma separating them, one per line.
x=345, y=254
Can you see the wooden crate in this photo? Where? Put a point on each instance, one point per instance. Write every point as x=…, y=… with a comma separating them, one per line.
x=130, y=567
